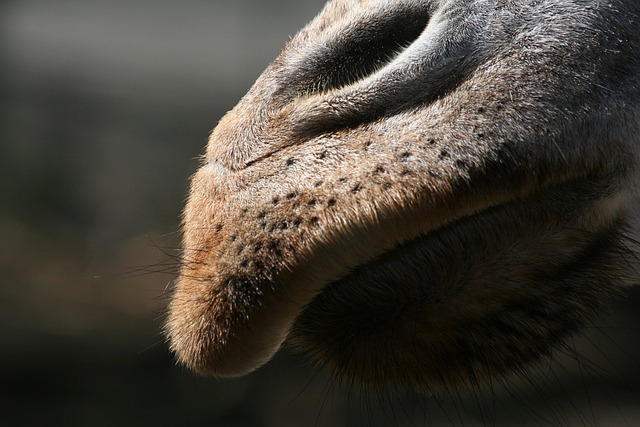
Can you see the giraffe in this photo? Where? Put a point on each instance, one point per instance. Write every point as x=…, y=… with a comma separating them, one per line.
x=418, y=192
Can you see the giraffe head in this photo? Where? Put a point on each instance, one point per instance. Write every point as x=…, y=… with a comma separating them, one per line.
x=417, y=192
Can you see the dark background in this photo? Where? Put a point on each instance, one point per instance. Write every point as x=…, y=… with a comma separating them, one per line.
x=104, y=108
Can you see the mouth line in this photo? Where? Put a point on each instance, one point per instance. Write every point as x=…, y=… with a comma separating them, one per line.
x=384, y=266
x=434, y=256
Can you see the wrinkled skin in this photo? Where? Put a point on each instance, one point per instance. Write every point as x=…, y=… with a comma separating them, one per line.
x=418, y=193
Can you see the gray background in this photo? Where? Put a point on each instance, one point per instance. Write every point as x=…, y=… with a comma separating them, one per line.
x=104, y=108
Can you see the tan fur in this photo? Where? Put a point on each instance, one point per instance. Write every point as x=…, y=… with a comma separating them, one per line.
x=417, y=192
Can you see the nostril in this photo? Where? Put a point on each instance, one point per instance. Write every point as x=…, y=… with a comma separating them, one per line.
x=358, y=50
x=343, y=54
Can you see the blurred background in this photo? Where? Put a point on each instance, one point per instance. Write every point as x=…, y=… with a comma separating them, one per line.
x=104, y=108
